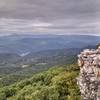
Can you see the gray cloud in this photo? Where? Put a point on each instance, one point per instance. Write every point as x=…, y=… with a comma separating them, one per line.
x=45, y=16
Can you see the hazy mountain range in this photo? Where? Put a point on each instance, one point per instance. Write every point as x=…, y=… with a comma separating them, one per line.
x=27, y=53
x=24, y=44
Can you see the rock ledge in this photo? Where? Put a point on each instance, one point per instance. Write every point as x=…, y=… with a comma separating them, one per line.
x=89, y=77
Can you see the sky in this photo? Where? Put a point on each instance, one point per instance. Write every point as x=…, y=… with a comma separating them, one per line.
x=50, y=17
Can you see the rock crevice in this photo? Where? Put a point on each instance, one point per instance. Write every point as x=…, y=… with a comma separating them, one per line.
x=89, y=76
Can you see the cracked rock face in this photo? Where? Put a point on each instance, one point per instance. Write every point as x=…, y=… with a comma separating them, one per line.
x=89, y=77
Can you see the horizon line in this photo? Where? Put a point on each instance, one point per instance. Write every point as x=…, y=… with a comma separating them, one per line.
x=18, y=34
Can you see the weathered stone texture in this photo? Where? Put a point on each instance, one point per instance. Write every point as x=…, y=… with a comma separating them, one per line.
x=89, y=77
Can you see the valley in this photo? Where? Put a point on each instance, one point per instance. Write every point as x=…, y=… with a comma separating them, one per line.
x=24, y=56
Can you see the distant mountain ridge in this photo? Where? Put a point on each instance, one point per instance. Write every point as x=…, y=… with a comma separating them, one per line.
x=33, y=43
x=33, y=53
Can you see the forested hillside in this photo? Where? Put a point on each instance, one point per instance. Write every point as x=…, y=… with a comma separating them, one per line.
x=13, y=70
x=58, y=83
x=48, y=74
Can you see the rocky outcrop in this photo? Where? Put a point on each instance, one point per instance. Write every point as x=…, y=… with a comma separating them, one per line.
x=89, y=77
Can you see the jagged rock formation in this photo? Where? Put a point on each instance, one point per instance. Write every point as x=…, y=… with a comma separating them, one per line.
x=89, y=77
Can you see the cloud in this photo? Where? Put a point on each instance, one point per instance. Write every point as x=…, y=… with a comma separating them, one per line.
x=50, y=16
x=22, y=26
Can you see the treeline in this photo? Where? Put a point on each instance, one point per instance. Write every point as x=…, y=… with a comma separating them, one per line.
x=57, y=83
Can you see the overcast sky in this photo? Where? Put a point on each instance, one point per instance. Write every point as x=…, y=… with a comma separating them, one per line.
x=50, y=17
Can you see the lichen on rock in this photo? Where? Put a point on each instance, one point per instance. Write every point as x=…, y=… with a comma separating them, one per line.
x=89, y=76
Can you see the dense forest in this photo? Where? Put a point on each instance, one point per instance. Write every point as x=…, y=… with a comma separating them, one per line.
x=57, y=83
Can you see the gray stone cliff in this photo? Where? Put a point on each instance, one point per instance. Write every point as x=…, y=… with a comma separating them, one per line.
x=89, y=76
